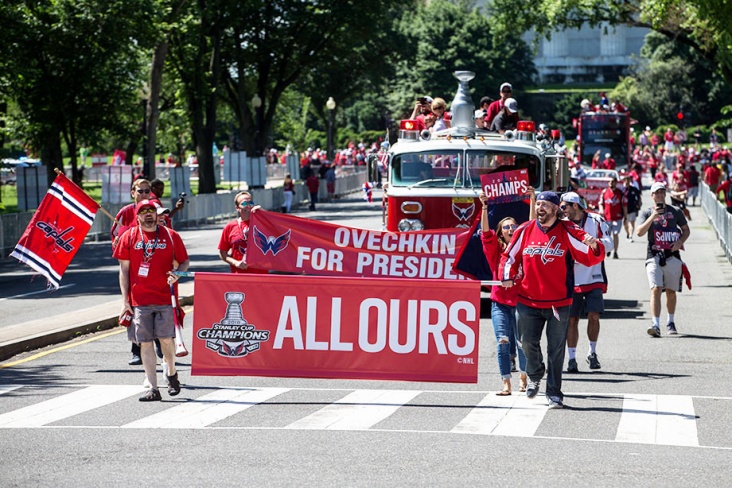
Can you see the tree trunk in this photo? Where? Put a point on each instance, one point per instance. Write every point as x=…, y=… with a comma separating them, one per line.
x=51, y=155
x=153, y=104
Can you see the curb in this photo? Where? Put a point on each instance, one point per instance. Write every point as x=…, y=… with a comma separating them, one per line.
x=52, y=337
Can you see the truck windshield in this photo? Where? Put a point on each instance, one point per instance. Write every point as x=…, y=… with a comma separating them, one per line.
x=428, y=169
x=484, y=162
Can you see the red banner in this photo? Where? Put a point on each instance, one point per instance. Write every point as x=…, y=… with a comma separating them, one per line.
x=296, y=245
x=508, y=186
x=318, y=327
x=57, y=230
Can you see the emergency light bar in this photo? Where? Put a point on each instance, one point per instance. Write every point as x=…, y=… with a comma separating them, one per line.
x=408, y=130
x=526, y=126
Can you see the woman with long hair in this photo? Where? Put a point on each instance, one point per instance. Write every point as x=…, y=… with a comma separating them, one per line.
x=503, y=300
x=288, y=188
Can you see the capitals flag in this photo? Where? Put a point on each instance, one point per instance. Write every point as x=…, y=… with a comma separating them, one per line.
x=57, y=230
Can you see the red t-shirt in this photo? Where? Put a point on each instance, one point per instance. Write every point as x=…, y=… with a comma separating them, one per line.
x=235, y=238
x=126, y=217
x=613, y=202
x=163, y=246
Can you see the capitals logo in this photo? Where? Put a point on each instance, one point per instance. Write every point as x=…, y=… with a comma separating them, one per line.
x=546, y=252
x=233, y=336
x=58, y=236
x=463, y=213
x=270, y=243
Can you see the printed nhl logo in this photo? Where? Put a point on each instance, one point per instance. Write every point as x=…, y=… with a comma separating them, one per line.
x=233, y=336
x=271, y=243
x=57, y=236
x=463, y=212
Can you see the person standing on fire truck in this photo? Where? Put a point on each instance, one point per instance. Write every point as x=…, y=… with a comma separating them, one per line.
x=544, y=250
x=495, y=107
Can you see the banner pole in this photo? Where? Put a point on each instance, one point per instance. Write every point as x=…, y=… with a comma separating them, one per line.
x=490, y=283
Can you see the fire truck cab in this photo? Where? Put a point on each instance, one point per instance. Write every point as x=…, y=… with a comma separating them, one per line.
x=434, y=178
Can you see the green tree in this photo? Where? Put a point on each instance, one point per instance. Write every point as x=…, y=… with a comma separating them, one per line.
x=73, y=67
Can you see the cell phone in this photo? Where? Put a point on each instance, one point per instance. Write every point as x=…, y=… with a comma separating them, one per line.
x=660, y=206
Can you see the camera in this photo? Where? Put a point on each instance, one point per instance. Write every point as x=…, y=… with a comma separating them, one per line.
x=423, y=100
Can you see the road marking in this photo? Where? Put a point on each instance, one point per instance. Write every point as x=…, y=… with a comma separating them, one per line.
x=207, y=410
x=68, y=405
x=515, y=416
x=8, y=388
x=356, y=411
x=658, y=419
x=61, y=348
x=39, y=291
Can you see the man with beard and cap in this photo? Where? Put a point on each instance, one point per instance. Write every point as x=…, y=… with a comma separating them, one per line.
x=542, y=252
x=147, y=254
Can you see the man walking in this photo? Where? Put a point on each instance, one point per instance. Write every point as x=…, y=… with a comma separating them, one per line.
x=147, y=255
x=667, y=231
x=614, y=208
x=590, y=282
x=545, y=250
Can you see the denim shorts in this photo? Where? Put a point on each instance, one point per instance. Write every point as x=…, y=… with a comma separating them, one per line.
x=590, y=301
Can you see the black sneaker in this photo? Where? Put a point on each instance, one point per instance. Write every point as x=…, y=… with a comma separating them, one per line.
x=593, y=361
x=615, y=255
x=151, y=396
x=572, y=366
x=135, y=360
x=173, y=385
x=533, y=389
x=654, y=331
x=671, y=328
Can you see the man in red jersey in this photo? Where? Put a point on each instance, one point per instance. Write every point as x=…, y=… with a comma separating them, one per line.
x=544, y=251
x=614, y=207
x=147, y=255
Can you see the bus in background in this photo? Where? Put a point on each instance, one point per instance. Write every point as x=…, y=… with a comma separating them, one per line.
x=606, y=132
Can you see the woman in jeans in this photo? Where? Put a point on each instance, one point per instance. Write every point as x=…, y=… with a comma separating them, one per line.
x=288, y=189
x=503, y=300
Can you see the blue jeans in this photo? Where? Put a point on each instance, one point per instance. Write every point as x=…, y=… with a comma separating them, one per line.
x=505, y=327
x=531, y=323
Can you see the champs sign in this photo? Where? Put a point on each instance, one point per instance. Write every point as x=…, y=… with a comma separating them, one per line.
x=296, y=245
x=323, y=327
x=508, y=186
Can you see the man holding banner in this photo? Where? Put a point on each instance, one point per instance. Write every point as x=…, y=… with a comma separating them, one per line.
x=544, y=250
x=235, y=236
x=147, y=254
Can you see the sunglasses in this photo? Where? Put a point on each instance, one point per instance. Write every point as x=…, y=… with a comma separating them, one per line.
x=146, y=210
x=141, y=190
x=245, y=204
x=565, y=206
x=506, y=91
x=509, y=226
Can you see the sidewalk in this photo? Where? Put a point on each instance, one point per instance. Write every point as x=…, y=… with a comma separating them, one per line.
x=36, y=334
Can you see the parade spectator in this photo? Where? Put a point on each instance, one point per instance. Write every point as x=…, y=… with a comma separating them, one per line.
x=543, y=252
x=126, y=217
x=442, y=117
x=678, y=193
x=643, y=138
x=655, y=141
x=590, y=282
x=503, y=300
x=634, y=203
x=330, y=181
x=668, y=137
x=661, y=175
x=614, y=208
x=667, y=231
x=596, y=162
x=422, y=108
x=712, y=175
x=495, y=108
x=313, y=184
x=147, y=255
x=235, y=236
x=608, y=162
x=726, y=189
x=288, y=190
x=507, y=118
x=713, y=139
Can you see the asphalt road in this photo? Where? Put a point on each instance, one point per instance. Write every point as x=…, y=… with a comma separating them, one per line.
x=656, y=414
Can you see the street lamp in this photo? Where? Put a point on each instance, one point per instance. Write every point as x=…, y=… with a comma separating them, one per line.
x=331, y=105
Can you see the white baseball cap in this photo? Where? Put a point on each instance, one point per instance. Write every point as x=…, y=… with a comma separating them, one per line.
x=658, y=186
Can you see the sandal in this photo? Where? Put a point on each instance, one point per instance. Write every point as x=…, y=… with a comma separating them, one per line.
x=506, y=388
x=522, y=382
x=504, y=393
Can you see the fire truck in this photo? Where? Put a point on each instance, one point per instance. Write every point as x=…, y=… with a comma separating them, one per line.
x=607, y=132
x=434, y=178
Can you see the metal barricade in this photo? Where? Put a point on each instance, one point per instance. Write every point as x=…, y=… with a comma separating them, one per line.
x=720, y=219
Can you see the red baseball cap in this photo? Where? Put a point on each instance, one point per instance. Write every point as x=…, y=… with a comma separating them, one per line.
x=143, y=204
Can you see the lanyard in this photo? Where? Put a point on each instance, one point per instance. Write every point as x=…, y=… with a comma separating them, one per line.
x=147, y=256
x=241, y=229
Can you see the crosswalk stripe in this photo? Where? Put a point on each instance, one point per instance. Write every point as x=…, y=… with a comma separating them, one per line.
x=658, y=419
x=68, y=405
x=515, y=416
x=359, y=410
x=8, y=388
x=206, y=410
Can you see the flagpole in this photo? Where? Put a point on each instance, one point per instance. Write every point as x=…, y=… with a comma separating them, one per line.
x=103, y=210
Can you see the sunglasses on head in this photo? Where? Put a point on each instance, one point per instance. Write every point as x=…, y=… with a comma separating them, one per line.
x=146, y=210
x=143, y=190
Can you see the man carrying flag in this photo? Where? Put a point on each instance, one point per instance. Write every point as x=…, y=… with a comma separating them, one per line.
x=57, y=230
